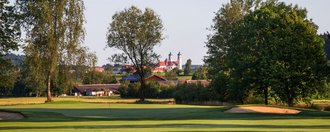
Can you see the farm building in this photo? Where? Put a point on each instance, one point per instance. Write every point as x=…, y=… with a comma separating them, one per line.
x=136, y=78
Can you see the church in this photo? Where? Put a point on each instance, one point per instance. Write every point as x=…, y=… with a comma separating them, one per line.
x=168, y=64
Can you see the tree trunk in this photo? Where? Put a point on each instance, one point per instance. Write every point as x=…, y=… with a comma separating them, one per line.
x=290, y=102
x=266, y=95
x=49, y=95
x=143, y=85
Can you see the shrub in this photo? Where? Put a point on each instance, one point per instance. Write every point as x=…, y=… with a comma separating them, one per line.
x=153, y=90
x=187, y=93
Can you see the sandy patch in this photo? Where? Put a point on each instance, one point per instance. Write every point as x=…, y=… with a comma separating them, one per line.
x=262, y=109
x=10, y=116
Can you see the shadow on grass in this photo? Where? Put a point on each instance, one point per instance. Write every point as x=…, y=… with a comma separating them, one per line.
x=171, y=126
x=122, y=114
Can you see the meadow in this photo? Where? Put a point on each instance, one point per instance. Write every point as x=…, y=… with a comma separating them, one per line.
x=69, y=114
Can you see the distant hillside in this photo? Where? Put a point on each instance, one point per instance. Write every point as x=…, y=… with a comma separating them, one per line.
x=327, y=49
x=193, y=67
x=15, y=59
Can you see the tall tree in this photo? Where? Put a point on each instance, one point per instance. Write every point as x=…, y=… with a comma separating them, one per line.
x=188, y=69
x=136, y=33
x=9, y=35
x=228, y=17
x=9, y=28
x=54, y=32
x=277, y=47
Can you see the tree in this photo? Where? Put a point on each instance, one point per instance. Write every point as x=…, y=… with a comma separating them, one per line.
x=200, y=74
x=226, y=19
x=9, y=28
x=326, y=37
x=277, y=47
x=171, y=75
x=187, y=69
x=54, y=32
x=9, y=35
x=136, y=33
x=108, y=67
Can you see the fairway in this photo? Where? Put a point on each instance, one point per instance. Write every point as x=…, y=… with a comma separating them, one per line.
x=82, y=116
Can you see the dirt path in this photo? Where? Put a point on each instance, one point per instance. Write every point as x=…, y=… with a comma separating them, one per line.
x=262, y=109
x=10, y=116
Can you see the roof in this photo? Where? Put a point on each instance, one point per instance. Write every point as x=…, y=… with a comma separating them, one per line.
x=162, y=63
x=135, y=78
x=156, y=78
x=96, y=87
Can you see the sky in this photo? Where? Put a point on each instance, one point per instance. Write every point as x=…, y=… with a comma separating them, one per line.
x=185, y=23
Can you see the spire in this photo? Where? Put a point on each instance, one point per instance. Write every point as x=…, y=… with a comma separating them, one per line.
x=170, y=57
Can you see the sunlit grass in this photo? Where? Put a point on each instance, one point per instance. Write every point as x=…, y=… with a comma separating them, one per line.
x=82, y=116
x=91, y=99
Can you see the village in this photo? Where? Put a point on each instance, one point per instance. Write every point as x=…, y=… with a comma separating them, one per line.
x=157, y=74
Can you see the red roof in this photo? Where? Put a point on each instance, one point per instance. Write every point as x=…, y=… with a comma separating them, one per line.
x=161, y=63
x=99, y=68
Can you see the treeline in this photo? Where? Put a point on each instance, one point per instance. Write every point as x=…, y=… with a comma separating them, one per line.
x=153, y=89
x=17, y=83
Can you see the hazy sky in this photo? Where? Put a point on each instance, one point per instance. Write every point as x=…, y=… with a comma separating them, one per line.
x=185, y=23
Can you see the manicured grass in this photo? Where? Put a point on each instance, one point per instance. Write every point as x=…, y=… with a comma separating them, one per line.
x=82, y=116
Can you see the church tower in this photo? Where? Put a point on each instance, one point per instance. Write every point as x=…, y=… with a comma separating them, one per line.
x=170, y=57
x=179, y=60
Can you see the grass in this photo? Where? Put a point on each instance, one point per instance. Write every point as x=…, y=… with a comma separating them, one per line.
x=90, y=99
x=184, y=77
x=83, y=116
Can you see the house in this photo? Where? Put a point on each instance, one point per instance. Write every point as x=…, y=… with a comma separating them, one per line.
x=95, y=89
x=168, y=64
x=100, y=69
x=136, y=78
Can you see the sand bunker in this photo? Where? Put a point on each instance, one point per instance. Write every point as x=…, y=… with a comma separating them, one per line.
x=10, y=116
x=262, y=109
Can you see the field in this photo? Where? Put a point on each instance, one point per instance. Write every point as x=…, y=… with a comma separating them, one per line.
x=66, y=115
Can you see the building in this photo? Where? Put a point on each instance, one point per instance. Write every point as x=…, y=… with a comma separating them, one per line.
x=95, y=89
x=135, y=78
x=168, y=64
x=100, y=69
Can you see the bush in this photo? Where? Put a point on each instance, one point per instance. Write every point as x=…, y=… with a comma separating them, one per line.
x=123, y=89
x=153, y=90
x=187, y=93
x=167, y=91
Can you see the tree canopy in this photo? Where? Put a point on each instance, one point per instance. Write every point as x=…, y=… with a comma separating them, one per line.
x=54, y=34
x=136, y=33
x=271, y=49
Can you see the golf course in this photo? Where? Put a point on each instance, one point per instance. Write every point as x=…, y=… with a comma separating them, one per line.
x=72, y=114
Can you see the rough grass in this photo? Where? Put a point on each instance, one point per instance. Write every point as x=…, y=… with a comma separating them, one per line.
x=184, y=77
x=82, y=116
x=91, y=99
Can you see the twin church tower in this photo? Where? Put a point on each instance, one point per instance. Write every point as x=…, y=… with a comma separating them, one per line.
x=168, y=64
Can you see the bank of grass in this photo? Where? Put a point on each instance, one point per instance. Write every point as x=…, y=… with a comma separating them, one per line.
x=90, y=99
x=83, y=116
x=184, y=77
